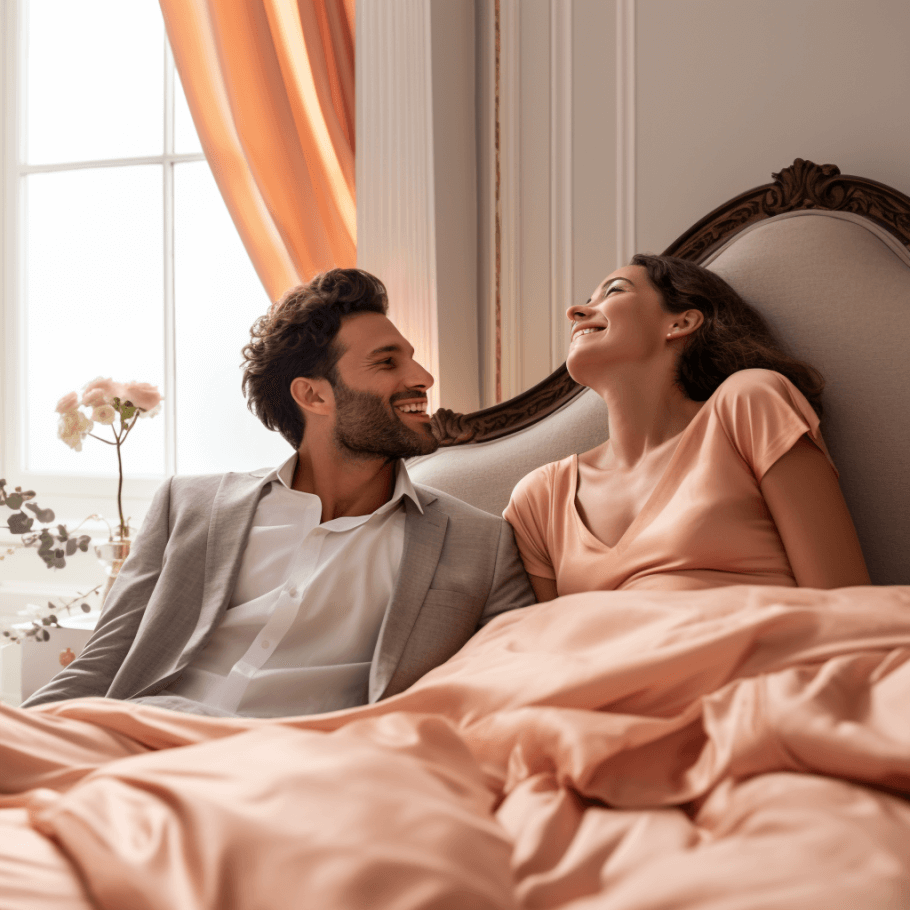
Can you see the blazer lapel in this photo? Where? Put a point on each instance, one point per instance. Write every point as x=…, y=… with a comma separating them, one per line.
x=423, y=538
x=232, y=514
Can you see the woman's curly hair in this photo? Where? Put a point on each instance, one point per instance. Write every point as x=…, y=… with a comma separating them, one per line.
x=734, y=335
x=297, y=338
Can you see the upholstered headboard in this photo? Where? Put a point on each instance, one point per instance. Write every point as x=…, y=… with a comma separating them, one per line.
x=825, y=258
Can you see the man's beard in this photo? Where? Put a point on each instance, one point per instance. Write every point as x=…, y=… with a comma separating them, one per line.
x=365, y=428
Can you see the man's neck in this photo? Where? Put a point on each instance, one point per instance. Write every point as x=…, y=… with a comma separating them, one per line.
x=346, y=486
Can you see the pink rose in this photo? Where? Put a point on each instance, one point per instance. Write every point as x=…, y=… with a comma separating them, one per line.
x=69, y=402
x=143, y=395
x=104, y=414
x=73, y=427
x=102, y=391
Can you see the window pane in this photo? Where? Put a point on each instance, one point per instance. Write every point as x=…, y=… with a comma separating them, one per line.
x=93, y=306
x=218, y=297
x=185, y=139
x=94, y=80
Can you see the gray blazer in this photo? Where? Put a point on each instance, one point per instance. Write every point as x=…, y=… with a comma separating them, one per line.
x=459, y=568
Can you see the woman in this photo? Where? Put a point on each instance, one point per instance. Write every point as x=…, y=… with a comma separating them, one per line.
x=714, y=472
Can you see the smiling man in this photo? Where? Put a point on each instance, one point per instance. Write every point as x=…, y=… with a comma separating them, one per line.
x=327, y=582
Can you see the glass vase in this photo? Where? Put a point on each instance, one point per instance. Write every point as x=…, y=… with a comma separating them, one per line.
x=112, y=554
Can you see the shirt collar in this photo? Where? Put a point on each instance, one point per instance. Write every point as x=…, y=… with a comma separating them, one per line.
x=284, y=474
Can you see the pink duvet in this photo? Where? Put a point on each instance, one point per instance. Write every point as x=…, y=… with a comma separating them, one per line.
x=742, y=747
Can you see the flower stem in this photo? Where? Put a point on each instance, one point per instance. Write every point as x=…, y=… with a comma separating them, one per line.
x=124, y=531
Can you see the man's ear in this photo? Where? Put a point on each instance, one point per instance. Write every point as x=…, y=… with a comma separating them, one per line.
x=686, y=323
x=315, y=396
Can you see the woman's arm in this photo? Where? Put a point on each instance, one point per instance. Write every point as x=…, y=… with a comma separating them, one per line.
x=813, y=521
x=544, y=588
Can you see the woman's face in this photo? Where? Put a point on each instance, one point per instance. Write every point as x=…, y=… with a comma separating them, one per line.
x=623, y=322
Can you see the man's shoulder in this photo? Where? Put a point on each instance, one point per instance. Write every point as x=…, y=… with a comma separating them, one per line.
x=192, y=492
x=456, y=508
x=214, y=481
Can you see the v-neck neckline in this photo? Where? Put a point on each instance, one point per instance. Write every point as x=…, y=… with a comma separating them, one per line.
x=655, y=502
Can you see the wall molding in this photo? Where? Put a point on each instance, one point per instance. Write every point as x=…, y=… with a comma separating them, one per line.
x=561, y=182
x=625, y=131
x=396, y=225
x=509, y=131
x=417, y=180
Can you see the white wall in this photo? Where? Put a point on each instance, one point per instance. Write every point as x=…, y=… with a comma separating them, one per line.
x=718, y=95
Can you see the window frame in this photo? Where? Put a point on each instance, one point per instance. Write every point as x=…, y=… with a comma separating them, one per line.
x=73, y=497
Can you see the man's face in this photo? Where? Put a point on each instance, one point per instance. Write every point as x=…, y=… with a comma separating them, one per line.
x=380, y=392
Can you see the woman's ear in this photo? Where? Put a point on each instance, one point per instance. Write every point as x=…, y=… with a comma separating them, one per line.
x=313, y=395
x=685, y=323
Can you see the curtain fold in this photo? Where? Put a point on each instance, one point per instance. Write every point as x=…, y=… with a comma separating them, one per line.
x=270, y=85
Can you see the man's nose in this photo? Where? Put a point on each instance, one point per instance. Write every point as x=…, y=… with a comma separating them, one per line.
x=419, y=378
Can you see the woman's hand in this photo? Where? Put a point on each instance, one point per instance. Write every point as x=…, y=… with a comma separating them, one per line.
x=813, y=521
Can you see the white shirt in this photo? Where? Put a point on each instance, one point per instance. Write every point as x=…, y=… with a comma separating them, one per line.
x=302, y=623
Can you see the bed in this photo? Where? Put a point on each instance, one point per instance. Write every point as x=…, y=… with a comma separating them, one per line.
x=739, y=748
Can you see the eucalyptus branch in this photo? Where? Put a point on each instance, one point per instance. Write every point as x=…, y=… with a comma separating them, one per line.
x=38, y=630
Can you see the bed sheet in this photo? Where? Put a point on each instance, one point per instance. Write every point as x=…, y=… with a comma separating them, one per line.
x=740, y=748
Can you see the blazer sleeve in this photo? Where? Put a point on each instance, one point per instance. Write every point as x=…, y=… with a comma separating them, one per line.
x=92, y=672
x=511, y=587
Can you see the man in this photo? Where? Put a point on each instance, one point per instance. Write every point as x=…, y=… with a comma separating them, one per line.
x=322, y=584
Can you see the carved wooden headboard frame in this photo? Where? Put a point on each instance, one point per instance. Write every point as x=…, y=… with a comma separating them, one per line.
x=803, y=185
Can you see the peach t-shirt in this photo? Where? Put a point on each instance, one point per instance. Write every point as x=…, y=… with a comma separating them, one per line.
x=706, y=523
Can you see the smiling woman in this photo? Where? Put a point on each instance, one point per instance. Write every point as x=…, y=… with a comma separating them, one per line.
x=714, y=472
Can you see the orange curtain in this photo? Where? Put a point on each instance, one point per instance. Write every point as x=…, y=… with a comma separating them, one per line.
x=270, y=84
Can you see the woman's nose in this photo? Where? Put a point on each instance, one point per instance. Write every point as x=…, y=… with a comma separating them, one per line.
x=577, y=311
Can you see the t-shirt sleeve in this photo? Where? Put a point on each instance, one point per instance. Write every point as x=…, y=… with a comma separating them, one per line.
x=528, y=512
x=764, y=415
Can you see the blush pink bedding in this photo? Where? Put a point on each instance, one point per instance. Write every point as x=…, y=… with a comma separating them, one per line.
x=741, y=747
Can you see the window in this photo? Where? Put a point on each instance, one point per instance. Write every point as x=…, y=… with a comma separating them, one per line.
x=120, y=258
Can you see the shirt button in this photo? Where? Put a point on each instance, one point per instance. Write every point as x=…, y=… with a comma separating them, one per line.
x=266, y=643
x=292, y=592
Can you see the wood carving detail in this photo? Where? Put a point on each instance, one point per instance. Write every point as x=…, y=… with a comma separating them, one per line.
x=803, y=185
x=451, y=428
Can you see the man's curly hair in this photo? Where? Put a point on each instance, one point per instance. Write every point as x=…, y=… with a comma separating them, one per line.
x=297, y=338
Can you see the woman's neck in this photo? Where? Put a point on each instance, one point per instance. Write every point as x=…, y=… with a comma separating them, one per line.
x=645, y=411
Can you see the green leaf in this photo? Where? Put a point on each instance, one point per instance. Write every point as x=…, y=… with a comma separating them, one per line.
x=84, y=541
x=71, y=546
x=127, y=411
x=61, y=531
x=86, y=608
x=60, y=561
x=45, y=635
x=14, y=501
